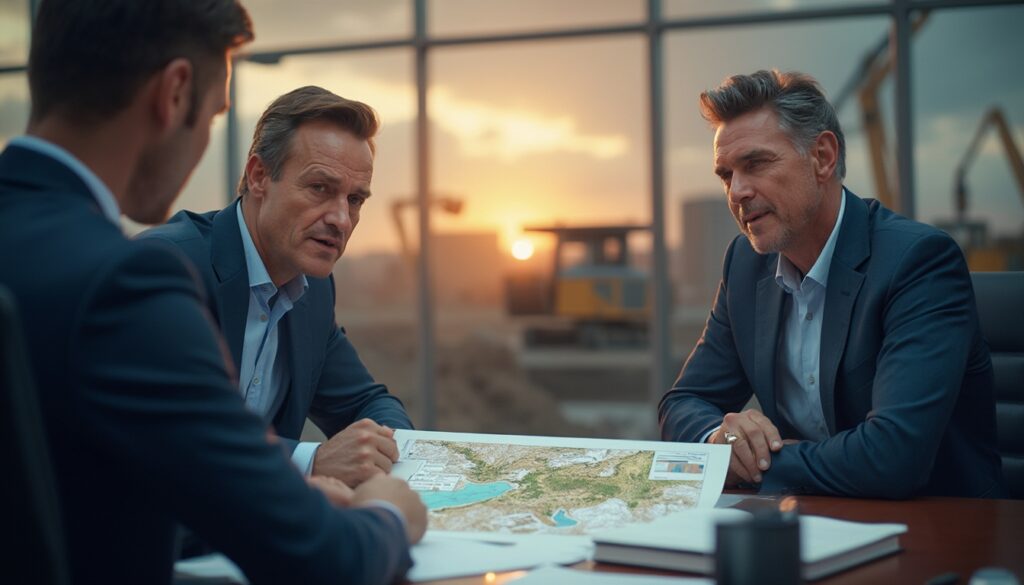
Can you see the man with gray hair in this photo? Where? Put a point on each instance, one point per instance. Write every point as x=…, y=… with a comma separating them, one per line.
x=854, y=327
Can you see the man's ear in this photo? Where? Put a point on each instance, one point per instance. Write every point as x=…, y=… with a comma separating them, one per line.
x=257, y=175
x=172, y=93
x=826, y=156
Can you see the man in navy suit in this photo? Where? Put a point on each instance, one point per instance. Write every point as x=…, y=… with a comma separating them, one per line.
x=144, y=425
x=854, y=327
x=266, y=260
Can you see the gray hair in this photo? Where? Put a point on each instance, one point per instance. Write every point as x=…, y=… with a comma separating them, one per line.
x=796, y=98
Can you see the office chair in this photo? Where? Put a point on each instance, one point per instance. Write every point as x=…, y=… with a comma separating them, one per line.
x=1000, y=298
x=35, y=548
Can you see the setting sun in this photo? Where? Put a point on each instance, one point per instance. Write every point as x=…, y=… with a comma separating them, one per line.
x=522, y=249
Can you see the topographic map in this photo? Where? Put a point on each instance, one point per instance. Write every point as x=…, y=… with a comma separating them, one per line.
x=534, y=485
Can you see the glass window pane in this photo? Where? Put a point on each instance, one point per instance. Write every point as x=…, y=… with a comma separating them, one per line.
x=14, y=106
x=699, y=223
x=980, y=49
x=319, y=22
x=699, y=8
x=541, y=135
x=375, y=283
x=14, y=32
x=473, y=17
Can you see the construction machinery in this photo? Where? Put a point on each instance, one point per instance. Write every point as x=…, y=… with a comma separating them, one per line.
x=448, y=204
x=593, y=298
x=866, y=82
x=983, y=252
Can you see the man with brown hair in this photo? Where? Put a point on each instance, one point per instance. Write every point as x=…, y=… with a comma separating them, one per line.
x=144, y=427
x=856, y=328
x=267, y=261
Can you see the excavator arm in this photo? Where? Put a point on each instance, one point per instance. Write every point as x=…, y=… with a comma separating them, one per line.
x=994, y=118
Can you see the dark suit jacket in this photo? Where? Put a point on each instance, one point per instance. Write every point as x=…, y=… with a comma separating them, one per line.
x=144, y=425
x=326, y=381
x=906, y=379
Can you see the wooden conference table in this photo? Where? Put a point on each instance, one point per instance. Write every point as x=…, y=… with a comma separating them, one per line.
x=944, y=535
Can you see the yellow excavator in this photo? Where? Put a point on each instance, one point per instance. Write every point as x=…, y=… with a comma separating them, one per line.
x=593, y=299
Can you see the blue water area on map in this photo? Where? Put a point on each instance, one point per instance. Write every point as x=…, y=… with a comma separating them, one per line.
x=562, y=519
x=470, y=493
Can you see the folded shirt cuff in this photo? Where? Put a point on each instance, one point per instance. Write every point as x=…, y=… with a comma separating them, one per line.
x=303, y=456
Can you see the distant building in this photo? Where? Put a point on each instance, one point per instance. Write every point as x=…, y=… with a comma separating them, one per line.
x=708, y=227
x=468, y=268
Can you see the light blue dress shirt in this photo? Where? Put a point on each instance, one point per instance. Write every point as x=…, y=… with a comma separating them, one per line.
x=262, y=373
x=797, y=372
x=100, y=191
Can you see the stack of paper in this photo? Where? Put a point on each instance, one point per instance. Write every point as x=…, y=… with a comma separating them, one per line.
x=685, y=541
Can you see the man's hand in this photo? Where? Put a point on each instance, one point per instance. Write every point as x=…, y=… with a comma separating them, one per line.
x=756, y=439
x=356, y=454
x=397, y=492
x=335, y=490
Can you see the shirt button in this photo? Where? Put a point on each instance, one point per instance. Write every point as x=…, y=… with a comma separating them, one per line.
x=810, y=380
x=810, y=315
x=256, y=381
x=263, y=318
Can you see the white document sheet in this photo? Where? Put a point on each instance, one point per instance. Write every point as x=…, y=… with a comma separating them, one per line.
x=525, y=485
x=440, y=557
x=562, y=576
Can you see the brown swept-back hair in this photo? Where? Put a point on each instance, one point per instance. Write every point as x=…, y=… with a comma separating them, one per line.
x=272, y=139
x=796, y=98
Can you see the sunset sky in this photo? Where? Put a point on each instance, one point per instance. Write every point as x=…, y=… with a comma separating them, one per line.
x=556, y=131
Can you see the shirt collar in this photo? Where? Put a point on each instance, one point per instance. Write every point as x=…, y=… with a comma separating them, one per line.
x=259, y=278
x=104, y=198
x=787, y=275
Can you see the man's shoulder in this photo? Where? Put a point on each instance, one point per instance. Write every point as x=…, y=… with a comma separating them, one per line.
x=189, y=232
x=183, y=227
x=892, y=233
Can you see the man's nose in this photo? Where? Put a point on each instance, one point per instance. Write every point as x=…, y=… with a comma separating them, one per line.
x=338, y=216
x=740, y=189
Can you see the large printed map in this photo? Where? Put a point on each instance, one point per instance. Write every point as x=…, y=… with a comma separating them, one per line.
x=530, y=485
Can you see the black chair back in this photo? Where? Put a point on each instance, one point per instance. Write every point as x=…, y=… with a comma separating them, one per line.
x=34, y=549
x=1000, y=298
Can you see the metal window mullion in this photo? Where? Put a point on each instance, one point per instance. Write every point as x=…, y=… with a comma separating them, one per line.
x=427, y=339
x=904, y=108
x=661, y=318
x=231, y=174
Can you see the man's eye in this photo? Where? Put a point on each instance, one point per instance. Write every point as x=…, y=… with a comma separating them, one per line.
x=356, y=200
x=318, y=187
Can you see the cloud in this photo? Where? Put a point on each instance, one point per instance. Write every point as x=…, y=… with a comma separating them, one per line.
x=485, y=130
x=481, y=130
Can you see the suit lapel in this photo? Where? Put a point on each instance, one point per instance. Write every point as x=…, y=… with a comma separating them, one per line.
x=296, y=337
x=767, y=318
x=844, y=284
x=232, y=291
